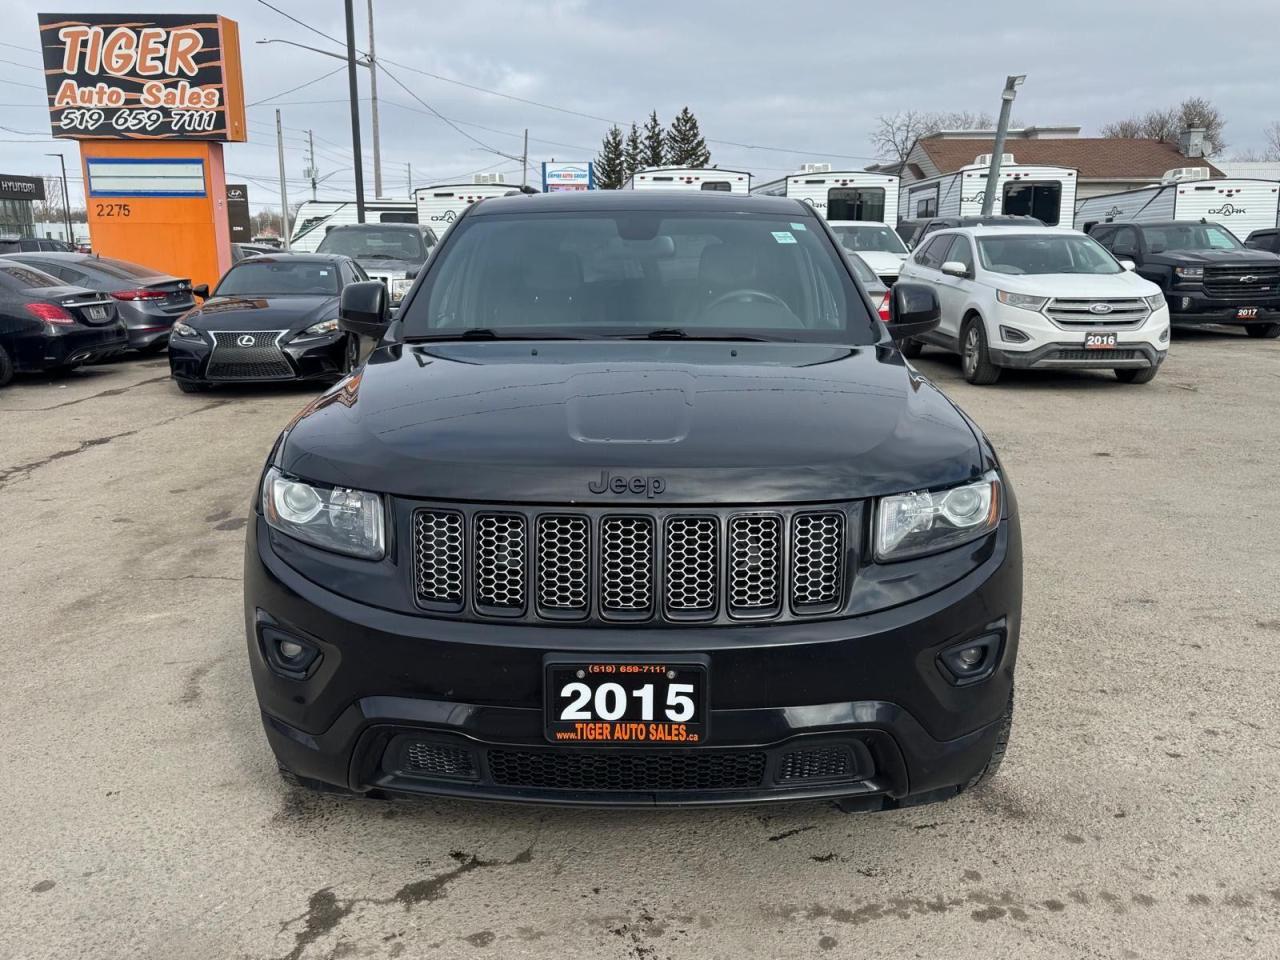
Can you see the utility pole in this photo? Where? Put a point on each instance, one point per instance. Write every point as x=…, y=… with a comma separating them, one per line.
x=284, y=190
x=311, y=162
x=355, y=112
x=373, y=95
x=1010, y=91
x=409, y=167
x=524, y=161
x=66, y=201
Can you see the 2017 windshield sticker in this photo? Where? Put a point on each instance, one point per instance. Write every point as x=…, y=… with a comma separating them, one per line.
x=798, y=226
x=783, y=236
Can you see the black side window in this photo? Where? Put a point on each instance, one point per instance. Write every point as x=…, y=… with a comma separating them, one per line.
x=1262, y=240
x=1125, y=243
x=930, y=254
x=962, y=252
x=1104, y=235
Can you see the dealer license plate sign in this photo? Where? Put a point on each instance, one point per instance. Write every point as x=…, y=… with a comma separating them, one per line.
x=1100, y=340
x=1247, y=313
x=97, y=313
x=625, y=702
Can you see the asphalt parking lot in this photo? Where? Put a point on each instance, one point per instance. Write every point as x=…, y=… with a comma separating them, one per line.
x=1136, y=815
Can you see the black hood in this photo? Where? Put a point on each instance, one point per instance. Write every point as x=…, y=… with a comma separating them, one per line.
x=718, y=423
x=1214, y=257
x=262, y=313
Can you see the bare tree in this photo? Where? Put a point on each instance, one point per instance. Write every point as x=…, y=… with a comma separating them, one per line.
x=896, y=133
x=1272, y=135
x=49, y=210
x=1166, y=124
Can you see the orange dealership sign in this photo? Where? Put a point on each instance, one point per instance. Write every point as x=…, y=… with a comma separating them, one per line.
x=143, y=76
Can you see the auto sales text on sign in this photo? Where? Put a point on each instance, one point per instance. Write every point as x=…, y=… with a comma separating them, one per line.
x=153, y=76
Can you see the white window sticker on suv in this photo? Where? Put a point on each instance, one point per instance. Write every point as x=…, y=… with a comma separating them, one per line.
x=799, y=227
x=783, y=236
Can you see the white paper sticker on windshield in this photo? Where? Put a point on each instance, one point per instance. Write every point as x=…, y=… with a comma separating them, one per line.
x=798, y=226
x=324, y=273
x=783, y=236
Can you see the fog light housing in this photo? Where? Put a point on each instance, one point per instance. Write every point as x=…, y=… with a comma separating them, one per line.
x=1164, y=335
x=287, y=655
x=970, y=661
x=1186, y=303
x=1012, y=335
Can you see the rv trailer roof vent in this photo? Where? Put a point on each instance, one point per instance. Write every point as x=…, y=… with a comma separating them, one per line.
x=1185, y=173
x=815, y=168
x=489, y=178
x=984, y=159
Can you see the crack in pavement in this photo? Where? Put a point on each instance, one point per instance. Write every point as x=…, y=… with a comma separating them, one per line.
x=325, y=911
x=23, y=471
x=113, y=392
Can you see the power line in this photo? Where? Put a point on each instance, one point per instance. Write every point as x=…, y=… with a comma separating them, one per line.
x=399, y=83
x=300, y=86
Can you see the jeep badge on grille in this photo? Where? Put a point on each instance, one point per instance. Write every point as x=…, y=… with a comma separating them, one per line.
x=648, y=485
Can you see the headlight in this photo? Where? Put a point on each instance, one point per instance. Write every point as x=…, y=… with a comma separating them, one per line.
x=335, y=518
x=913, y=524
x=1156, y=301
x=181, y=329
x=323, y=327
x=399, y=288
x=1021, y=300
x=1189, y=273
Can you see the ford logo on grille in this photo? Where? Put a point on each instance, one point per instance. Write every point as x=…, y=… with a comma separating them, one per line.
x=245, y=340
x=1248, y=278
x=1100, y=308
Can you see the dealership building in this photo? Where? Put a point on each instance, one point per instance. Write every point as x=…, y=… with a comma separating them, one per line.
x=17, y=199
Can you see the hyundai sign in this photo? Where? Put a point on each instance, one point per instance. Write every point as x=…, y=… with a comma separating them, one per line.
x=567, y=176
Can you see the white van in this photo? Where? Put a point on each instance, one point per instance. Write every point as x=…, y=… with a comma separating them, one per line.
x=1240, y=205
x=439, y=205
x=1028, y=190
x=316, y=217
x=841, y=194
x=690, y=178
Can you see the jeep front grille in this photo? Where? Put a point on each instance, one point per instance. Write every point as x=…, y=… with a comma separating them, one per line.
x=713, y=565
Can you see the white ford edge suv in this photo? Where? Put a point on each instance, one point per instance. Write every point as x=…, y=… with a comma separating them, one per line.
x=1040, y=298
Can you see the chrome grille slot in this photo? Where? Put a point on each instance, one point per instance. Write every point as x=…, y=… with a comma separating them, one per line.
x=626, y=567
x=755, y=565
x=438, y=556
x=692, y=566
x=500, y=562
x=563, y=571
x=817, y=548
x=1123, y=313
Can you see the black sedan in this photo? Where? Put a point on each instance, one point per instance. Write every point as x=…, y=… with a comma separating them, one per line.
x=147, y=300
x=47, y=326
x=271, y=318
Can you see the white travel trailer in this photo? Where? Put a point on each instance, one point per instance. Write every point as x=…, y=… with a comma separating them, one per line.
x=840, y=194
x=315, y=218
x=690, y=178
x=441, y=204
x=1029, y=190
x=1240, y=205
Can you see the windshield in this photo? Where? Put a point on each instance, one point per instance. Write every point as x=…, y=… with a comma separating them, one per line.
x=262, y=277
x=1190, y=236
x=875, y=238
x=375, y=243
x=634, y=273
x=1045, y=253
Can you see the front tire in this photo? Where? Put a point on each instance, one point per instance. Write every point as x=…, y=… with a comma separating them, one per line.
x=975, y=358
x=1136, y=374
x=1263, y=331
x=6, y=368
x=998, y=751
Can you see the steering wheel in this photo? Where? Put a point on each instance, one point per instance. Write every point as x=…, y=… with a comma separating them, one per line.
x=745, y=292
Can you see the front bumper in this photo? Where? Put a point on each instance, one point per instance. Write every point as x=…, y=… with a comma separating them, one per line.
x=1192, y=307
x=1049, y=345
x=469, y=694
x=1074, y=356
x=314, y=358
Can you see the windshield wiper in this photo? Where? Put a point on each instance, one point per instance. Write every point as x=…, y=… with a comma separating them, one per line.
x=484, y=333
x=677, y=333
x=377, y=256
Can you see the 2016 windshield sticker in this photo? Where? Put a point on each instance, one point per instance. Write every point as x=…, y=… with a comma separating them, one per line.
x=783, y=236
x=798, y=227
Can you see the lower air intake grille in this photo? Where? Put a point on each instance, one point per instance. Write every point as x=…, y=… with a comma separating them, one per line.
x=626, y=566
x=817, y=545
x=433, y=760
x=1099, y=355
x=500, y=561
x=437, y=539
x=821, y=763
x=648, y=771
x=755, y=564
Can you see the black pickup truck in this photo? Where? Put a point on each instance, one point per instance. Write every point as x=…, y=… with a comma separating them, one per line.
x=1207, y=275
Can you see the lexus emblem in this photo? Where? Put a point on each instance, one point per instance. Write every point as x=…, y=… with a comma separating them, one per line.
x=1100, y=308
x=245, y=340
x=1249, y=278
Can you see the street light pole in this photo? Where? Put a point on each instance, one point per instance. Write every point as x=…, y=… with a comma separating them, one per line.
x=373, y=115
x=284, y=190
x=66, y=201
x=355, y=110
x=1010, y=91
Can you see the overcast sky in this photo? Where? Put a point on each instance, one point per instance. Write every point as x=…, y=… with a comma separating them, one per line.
x=806, y=80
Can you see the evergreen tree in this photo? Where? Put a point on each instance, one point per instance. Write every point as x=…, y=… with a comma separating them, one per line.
x=609, y=171
x=685, y=146
x=654, y=151
x=632, y=155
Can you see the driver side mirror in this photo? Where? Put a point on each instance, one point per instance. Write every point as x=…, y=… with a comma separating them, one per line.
x=201, y=290
x=913, y=310
x=954, y=268
x=363, y=309
x=1128, y=265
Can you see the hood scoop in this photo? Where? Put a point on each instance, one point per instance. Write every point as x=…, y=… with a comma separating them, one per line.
x=657, y=407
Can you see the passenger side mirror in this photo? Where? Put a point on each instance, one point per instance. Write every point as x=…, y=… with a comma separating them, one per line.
x=913, y=310
x=954, y=268
x=1128, y=265
x=363, y=309
x=201, y=290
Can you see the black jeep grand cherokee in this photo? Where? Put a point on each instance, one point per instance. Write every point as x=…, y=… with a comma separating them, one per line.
x=636, y=503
